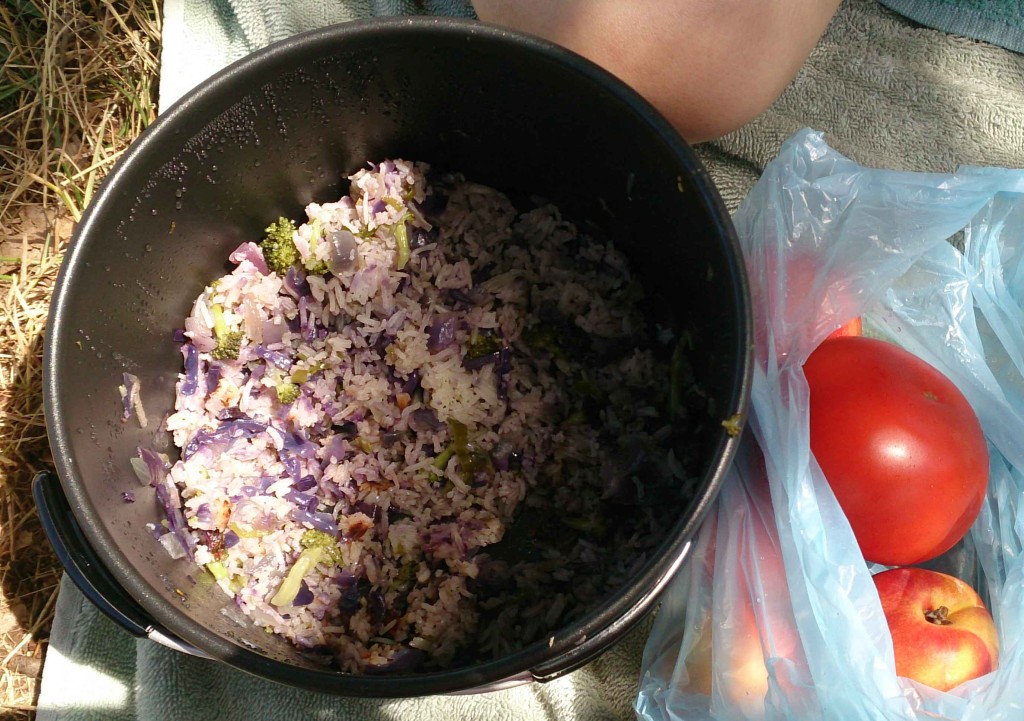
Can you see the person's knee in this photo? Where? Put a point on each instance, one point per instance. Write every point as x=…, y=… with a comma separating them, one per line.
x=709, y=65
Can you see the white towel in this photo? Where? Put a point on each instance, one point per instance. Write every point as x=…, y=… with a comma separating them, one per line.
x=203, y=36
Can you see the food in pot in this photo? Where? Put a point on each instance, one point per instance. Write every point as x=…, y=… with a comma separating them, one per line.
x=372, y=398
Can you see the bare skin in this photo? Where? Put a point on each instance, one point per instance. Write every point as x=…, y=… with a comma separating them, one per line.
x=709, y=66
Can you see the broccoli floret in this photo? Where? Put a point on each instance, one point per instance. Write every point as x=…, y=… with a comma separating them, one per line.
x=228, y=342
x=279, y=246
x=557, y=335
x=287, y=392
x=325, y=542
x=318, y=267
x=483, y=343
x=317, y=547
x=228, y=346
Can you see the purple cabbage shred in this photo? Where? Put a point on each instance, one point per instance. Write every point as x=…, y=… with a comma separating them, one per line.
x=191, y=382
x=423, y=420
x=266, y=482
x=304, y=597
x=213, y=373
x=221, y=438
x=295, y=283
x=292, y=465
x=305, y=501
x=350, y=591
x=504, y=369
x=412, y=383
x=319, y=520
x=156, y=465
x=306, y=483
x=298, y=444
x=441, y=332
x=176, y=523
x=337, y=448
x=274, y=358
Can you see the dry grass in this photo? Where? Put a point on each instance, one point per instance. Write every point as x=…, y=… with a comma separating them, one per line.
x=77, y=85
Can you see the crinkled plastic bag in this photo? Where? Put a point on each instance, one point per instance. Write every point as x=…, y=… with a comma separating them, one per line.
x=775, y=615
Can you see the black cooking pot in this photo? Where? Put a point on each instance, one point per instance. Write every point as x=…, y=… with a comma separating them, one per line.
x=280, y=129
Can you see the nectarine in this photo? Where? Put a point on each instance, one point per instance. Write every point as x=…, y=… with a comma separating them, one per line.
x=942, y=634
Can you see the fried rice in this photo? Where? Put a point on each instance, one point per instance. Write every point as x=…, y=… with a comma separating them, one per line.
x=359, y=432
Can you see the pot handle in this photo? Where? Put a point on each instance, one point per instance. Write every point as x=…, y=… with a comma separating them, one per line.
x=87, y=572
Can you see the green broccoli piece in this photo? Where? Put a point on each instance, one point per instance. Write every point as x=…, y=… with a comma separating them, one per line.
x=404, y=251
x=279, y=246
x=228, y=346
x=591, y=525
x=317, y=547
x=228, y=342
x=483, y=343
x=287, y=392
x=325, y=542
x=472, y=459
x=543, y=337
x=318, y=268
x=404, y=578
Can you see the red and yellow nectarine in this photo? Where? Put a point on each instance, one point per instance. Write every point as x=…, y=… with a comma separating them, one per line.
x=942, y=633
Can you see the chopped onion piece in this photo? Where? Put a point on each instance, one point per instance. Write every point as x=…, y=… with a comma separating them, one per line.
x=173, y=545
x=343, y=250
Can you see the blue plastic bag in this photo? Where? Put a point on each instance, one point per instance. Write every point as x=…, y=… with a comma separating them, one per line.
x=775, y=615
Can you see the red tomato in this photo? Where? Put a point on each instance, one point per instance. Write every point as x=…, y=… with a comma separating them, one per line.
x=900, y=446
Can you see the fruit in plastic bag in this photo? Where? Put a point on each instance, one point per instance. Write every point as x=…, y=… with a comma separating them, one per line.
x=942, y=633
x=745, y=681
x=750, y=634
x=900, y=446
x=878, y=240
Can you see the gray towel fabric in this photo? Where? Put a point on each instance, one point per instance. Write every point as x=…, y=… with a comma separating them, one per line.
x=888, y=93
x=94, y=670
x=885, y=92
x=995, y=21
